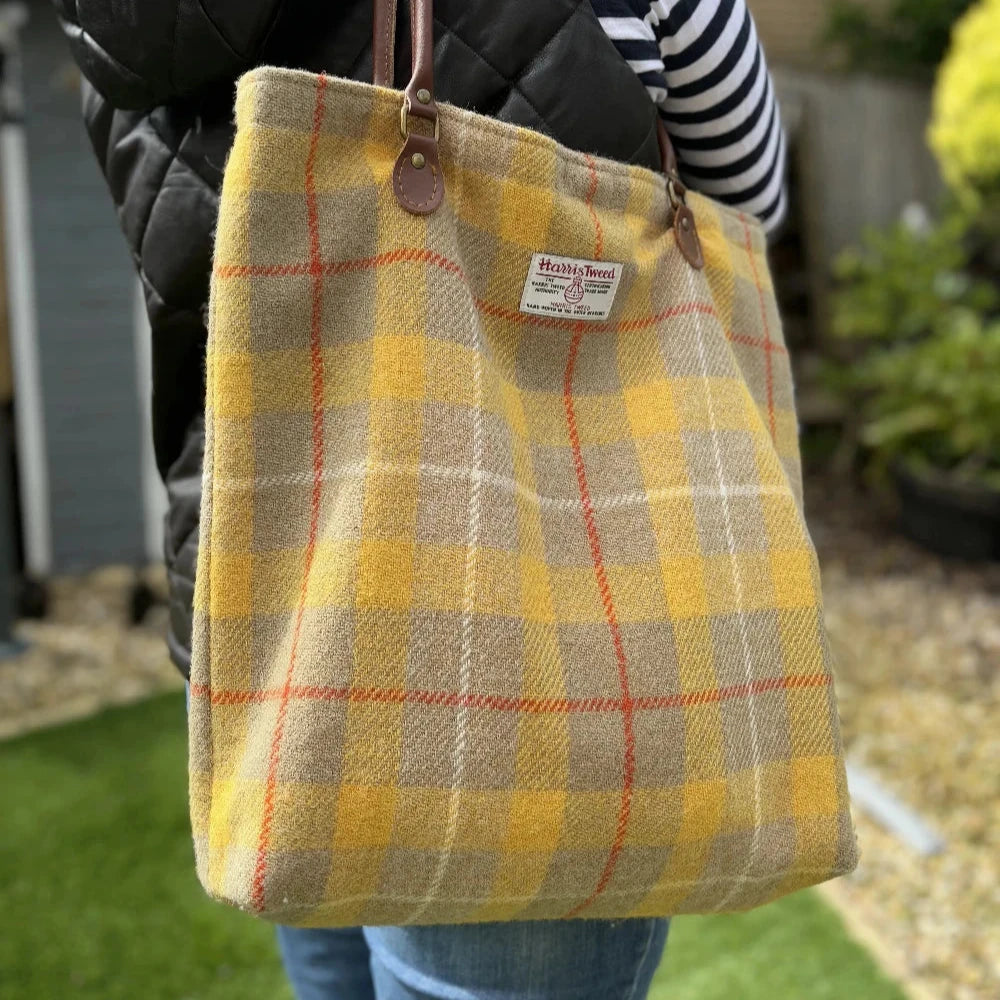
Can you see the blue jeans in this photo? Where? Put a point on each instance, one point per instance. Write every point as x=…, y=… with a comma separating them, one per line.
x=531, y=960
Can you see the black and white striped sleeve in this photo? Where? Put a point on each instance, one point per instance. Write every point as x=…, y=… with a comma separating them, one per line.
x=703, y=66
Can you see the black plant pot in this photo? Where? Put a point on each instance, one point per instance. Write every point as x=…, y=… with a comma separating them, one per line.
x=953, y=519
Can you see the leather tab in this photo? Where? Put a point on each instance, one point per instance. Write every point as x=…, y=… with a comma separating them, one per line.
x=686, y=234
x=418, y=189
x=685, y=228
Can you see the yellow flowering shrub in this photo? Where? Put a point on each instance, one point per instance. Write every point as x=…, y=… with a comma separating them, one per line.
x=965, y=125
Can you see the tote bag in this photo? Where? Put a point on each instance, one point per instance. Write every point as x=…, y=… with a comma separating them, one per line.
x=505, y=606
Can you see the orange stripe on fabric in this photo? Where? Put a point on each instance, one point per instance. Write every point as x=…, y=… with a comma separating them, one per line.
x=767, y=330
x=420, y=255
x=763, y=345
x=612, y=619
x=316, y=352
x=499, y=703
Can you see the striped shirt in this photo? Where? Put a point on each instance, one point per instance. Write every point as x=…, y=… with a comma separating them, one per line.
x=704, y=68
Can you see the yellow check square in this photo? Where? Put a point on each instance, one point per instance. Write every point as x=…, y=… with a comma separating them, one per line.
x=385, y=578
x=364, y=815
x=398, y=367
x=536, y=820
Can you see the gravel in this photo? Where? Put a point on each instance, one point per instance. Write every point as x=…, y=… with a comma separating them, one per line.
x=85, y=654
x=917, y=642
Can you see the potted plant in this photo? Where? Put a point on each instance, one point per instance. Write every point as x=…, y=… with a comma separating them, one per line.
x=920, y=363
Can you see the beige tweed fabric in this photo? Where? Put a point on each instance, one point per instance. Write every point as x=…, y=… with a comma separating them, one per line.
x=498, y=615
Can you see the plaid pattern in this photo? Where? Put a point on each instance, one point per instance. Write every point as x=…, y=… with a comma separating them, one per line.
x=498, y=616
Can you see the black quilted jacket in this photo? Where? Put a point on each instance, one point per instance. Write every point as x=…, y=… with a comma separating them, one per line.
x=158, y=108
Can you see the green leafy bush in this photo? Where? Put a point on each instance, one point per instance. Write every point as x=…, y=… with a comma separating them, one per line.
x=908, y=39
x=896, y=284
x=920, y=352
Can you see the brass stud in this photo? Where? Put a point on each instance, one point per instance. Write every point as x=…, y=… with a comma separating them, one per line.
x=424, y=95
x=418, y=160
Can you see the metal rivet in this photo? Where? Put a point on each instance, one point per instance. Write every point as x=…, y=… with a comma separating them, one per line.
x=424, y=95
x=685, y=223
x=418, y=160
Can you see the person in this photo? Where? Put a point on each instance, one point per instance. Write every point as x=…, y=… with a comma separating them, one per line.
x=158, y=92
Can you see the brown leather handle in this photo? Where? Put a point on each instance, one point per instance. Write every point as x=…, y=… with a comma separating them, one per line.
x=420, y=89
x=384, y=43
x=418, y=180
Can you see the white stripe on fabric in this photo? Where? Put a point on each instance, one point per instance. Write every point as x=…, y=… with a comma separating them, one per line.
x=662, y=9
x=758, y=204
x=694, y=27
x=627, y=29
x=468, y=606
x=751, y=699
x=506, y=483
x=716, y=53
x=726, y=155
x=750, y=176
x=719, y=92
x=717, y=126
x=698, y=24
x=778, y=215
x=645, y=65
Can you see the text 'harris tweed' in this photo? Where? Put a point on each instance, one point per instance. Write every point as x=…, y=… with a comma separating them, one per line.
x=498, y=615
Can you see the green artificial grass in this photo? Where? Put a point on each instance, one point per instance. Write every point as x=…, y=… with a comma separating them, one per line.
x=98, y=898
x=795, y=949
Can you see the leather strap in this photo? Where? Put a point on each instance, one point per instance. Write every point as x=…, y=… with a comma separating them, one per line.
x=417, y=178
x=384, y=43
x=667, y=155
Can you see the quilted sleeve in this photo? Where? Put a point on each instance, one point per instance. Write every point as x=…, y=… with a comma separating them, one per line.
x=141, y=53
x=164, y=169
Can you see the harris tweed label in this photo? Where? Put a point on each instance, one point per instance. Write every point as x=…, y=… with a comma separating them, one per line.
x=569, y=287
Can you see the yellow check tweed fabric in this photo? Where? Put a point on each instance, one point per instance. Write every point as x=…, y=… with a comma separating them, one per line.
x=498, y=616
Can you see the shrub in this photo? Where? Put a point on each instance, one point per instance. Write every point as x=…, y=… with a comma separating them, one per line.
x=921, y=352
x=965, y=128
